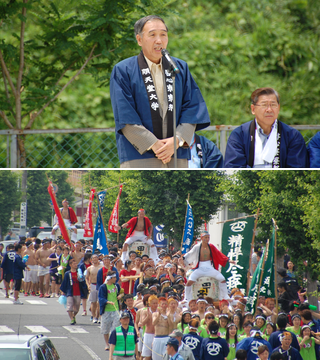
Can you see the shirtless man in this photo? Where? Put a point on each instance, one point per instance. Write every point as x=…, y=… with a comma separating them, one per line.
x=206, y=259
x=146, y=320
x=174, y=316
x=70, y=219
x=201, y=305
x=91, y=279
x=140, y=229
x=31, y=276
x=44, y=266
x=160, y=322
x=76, y=252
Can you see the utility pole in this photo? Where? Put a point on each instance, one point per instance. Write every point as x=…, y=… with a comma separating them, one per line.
x=23, y=205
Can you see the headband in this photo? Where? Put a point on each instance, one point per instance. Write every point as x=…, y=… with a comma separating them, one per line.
x=232, y=324
x=202, y=300
x=208, y=313
x=254, y=333
x=192, y=328
x=305, y=327
x=295, y=316
x=109, y=277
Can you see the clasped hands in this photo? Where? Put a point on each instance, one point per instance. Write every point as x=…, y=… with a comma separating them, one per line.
x=164, y=149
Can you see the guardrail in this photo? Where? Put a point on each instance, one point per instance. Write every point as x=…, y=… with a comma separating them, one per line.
x=88, y=147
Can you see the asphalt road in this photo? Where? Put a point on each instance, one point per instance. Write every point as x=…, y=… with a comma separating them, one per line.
x=48, y=317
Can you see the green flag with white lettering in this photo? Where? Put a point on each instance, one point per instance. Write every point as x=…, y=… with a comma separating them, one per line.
x=267, y=283
x=236, y=244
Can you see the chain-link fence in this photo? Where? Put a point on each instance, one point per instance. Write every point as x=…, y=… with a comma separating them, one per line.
x=86, y=148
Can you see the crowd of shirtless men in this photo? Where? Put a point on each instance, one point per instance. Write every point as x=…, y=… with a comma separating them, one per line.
x=157, y=293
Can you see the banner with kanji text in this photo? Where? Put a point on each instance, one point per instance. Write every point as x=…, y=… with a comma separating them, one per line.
x=88, y=226
x=236, y=244
x=267, y=282
x=188, y=230
x=100, y=240
x=114, y=218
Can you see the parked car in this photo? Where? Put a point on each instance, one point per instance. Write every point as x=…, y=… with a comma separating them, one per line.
x=44, y=234
x=27, y=347
x=35, y=230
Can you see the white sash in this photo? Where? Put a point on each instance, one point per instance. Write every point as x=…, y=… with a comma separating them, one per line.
x=270, y=149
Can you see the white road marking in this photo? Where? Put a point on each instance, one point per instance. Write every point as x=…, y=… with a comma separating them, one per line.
x=58, y=337
x=86, y=348
x=36, y=302
x=75, y=329
x=6, y=302
x=4, y=328
x=38, y=329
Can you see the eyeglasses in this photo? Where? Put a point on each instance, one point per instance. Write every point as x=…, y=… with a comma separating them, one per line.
x=210, y=317
x=266, y=105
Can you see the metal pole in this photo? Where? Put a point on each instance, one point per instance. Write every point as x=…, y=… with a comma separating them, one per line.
x=262, y=271
x=275, y=263
x=252, y=245
x=14, y=152
x=185, y=219
x=174, y=121
x=118, y=215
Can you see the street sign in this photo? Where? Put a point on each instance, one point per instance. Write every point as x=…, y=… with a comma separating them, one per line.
x=23, y=218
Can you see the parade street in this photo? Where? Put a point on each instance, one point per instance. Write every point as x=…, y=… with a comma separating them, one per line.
x=48, y=317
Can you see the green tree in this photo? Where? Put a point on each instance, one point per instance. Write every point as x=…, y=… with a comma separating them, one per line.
x=46, y=45
x=290, y=198
x=38, y=208
x=163, y=195
x=9, y=198
x=65, y=190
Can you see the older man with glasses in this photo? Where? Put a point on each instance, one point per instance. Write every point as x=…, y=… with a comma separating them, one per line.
x=266, y=142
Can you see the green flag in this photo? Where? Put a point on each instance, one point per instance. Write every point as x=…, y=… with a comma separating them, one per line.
x=267, y=283
x=236, y=244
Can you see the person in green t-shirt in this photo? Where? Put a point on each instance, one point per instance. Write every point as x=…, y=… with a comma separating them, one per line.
x=109, y=294
x=307, y=343
x=232, y=340
x=296, y=321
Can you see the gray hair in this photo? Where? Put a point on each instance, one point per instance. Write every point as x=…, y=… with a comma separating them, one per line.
x=139, y=25
x=264, y=91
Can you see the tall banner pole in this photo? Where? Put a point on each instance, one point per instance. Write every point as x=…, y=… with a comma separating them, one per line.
x=118, y=211
x=101, y=217
x=262, y=272
x=252, y=245
x=275, y=228
x=185, y=219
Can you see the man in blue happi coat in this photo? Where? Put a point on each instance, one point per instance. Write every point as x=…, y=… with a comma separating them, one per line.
x=266, y=142
x=141, y=89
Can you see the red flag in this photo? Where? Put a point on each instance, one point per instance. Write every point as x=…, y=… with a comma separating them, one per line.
x=114, y=218
x=62, y=225
x=88, y=226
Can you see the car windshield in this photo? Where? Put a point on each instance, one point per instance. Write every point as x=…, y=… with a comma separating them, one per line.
x=15, y=354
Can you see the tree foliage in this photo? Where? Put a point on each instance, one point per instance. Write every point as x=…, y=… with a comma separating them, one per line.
x=163, y=195
x=290, y=198
x=232, y=47
x=9, y=198
x=38, y=205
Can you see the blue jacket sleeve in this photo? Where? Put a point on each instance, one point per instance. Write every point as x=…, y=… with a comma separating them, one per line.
x=99, y=278
x=297, y=154
x=102, y=298
x=237, y=151
x=314, y=151
x=212, y=157
x=66, y=286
